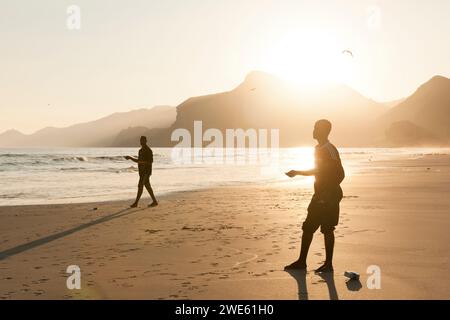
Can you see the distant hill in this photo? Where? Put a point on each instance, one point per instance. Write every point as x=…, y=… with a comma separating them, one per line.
x=129, y=137
x=428, y=108
x=12, y=138
x=157, y=137
x=407, y=134
x=393, y=103
x=265, y=101
x=98, y=133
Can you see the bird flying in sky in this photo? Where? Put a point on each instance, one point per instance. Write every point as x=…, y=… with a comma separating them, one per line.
x=347, y=52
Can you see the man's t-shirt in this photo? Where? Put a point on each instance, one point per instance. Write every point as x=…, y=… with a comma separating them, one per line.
x=330, y=172
x=145, y=154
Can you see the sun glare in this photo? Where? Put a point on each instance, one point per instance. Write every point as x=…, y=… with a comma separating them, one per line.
x=309, y=57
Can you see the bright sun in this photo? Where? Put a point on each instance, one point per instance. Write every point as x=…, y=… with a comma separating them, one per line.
x=309, y=58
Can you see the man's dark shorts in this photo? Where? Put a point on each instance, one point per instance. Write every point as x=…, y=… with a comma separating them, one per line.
x=144, y=177
x=323, y=214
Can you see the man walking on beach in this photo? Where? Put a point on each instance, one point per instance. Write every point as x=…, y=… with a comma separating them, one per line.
x=144, y=161
x=323, y=210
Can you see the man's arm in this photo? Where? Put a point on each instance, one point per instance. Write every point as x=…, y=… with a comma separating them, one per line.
x=136, y=160
x=132, y=159
x=294, y=173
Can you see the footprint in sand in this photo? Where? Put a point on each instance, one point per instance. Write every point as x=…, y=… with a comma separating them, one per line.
x=195, y=261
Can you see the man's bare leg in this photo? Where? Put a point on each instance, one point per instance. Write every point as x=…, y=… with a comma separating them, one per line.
x=138, y=196
x=152, y=195
x=329, y=248
x=301, y=262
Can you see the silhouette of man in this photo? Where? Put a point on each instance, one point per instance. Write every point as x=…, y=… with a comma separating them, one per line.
x=323, y=210
x=144, y=161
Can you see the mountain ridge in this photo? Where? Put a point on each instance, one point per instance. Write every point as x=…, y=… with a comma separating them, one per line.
x=97, y=133
x=263, y=100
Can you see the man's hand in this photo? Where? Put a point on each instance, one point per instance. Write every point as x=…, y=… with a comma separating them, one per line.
x=291, y=173
x=127, y=157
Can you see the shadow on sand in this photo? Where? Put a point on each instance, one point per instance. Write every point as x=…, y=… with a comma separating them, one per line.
x=353, y=285
x=329, y=279
x=300, y=277
x=39, y=242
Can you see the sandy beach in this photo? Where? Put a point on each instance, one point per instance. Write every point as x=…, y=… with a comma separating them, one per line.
x=233, y=242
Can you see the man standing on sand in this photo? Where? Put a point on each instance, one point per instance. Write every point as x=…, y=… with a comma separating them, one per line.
x=144, y=161
x=323, y=210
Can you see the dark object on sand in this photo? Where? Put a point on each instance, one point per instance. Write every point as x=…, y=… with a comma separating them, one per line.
x=352, y=275
x=95, y=208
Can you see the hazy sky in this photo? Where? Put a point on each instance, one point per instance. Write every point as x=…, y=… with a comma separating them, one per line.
x=140, y=53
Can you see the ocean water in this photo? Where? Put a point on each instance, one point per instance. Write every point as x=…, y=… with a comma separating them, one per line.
x=48, y=176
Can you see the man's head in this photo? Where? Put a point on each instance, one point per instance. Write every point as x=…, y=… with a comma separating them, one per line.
x=322, y=129
x=143, y=140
